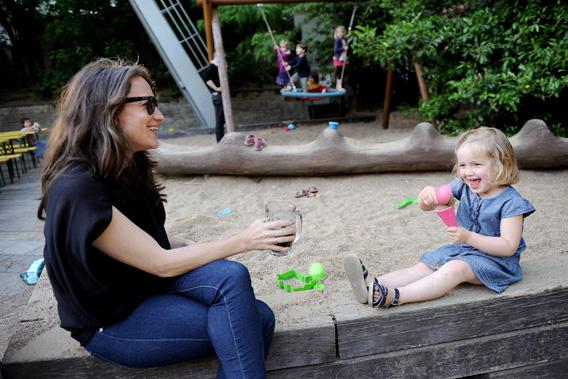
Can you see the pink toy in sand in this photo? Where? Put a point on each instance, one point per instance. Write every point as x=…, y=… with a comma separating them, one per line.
x=443, y=194
x=448, y=215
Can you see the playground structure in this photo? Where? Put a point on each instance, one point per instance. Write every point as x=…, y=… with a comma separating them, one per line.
x=186, y=55
x=182, y=50
x=425, y=149
x=171, y=43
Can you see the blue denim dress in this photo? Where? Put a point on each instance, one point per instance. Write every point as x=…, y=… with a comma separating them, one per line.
x=483, y=216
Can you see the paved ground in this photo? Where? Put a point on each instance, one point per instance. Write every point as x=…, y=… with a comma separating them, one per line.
x=21, y=242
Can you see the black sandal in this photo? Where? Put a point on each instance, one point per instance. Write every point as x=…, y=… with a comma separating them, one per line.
x=378, y=296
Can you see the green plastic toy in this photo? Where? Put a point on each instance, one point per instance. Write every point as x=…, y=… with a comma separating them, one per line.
x=294, y=280
x=411, y=200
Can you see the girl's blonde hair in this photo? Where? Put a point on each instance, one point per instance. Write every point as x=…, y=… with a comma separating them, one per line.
x=492, y=143
x=340, y=28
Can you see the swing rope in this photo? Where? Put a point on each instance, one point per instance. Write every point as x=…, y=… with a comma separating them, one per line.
x=280, y=59
x=348, y=32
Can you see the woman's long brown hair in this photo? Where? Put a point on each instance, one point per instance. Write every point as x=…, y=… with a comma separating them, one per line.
x=85, y=132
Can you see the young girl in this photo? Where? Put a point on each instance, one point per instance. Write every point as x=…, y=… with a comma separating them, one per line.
x=487, y=244
x=284, y=55
x=339, y=54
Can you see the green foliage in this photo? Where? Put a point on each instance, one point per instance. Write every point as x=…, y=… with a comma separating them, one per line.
x=78, y=31
x=484, y=62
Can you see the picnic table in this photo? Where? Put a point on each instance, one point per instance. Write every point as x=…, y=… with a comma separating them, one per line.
x=14, y=145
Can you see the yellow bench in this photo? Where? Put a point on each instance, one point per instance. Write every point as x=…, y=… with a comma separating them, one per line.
x=8, y=159
x=31, y=150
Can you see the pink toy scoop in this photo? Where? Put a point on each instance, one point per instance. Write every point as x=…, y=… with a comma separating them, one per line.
x=443, y=194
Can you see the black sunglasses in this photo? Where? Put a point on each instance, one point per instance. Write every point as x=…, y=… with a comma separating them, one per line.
x=151, y=102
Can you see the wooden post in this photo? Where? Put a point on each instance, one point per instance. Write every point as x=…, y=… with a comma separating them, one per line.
x=223, y=75
x=388, y=95
x=421, y=82
x=207, y=10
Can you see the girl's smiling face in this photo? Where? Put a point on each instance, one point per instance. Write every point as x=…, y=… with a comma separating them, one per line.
x=477, y=171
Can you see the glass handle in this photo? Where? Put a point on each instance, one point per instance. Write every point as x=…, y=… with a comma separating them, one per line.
x=299, y=222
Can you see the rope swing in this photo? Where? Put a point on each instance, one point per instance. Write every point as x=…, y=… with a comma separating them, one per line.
x=348, y=32
x=280, y=59
x=331, y=92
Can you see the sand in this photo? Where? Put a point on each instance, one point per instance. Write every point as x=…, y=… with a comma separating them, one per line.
x=351, y=214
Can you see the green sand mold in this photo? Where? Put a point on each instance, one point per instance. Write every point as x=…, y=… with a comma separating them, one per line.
x=295, y=281
x=409, y=201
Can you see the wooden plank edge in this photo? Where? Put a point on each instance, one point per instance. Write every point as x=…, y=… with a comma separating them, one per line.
x=474, y=356
x=404, y=330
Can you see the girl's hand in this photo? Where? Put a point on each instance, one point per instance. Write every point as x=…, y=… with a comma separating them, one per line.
x=458, y=234
x=261, y=235
x=427, y=198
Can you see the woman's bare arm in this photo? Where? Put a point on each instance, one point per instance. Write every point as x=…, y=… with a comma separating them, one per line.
x=127, y=243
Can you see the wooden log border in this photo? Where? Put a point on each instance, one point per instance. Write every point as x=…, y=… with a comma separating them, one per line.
x=398, y=331
x=451, y=360
x=425, y=149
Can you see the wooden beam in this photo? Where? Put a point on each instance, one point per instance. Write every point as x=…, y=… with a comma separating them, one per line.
x=357, y=337
x=421, y=82
x=223, y=74
x=252, y=2
x=388, y=95
x=464, y=358
x=207, y=15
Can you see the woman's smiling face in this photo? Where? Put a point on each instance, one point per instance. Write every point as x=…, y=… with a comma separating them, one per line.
x=139, y=127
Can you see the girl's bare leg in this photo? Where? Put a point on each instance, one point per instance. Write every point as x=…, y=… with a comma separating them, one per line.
x=438, y=283
x=405, y=276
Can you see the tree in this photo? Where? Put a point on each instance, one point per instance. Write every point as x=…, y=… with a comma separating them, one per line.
x=78, y=31
x=23, y=25
x=495, y=63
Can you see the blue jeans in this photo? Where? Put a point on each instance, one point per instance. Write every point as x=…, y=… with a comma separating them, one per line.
x=219, y=117
x=210, y=310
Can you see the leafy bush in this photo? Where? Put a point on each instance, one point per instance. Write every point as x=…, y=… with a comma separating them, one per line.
x=496, y=63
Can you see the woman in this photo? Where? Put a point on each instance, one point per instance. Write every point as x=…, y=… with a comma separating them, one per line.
x=126, y=291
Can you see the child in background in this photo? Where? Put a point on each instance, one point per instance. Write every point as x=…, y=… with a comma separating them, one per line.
x=487, y=244
x=283, y=55
x=300, y=67
x=339, y=54
x=314, y=83
x=27, y=126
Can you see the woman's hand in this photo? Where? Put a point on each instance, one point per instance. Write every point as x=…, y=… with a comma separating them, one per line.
x=458, y=234
x=427, y=198
x=266, y=235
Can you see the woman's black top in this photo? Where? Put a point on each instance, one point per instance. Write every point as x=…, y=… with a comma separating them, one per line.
x=92, y=289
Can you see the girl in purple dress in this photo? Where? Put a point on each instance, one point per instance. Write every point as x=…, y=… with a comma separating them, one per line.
x=283, y=55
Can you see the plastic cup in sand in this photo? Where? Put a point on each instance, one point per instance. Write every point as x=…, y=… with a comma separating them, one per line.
x=333, y=125
x=448, y=215
x=443, y=194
